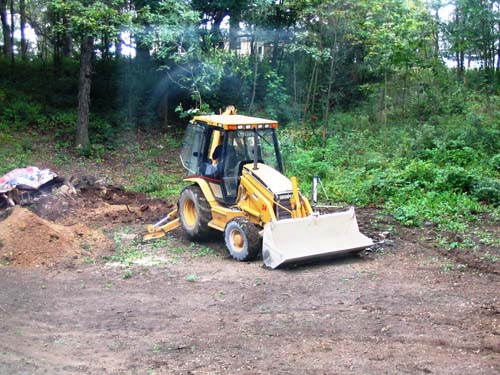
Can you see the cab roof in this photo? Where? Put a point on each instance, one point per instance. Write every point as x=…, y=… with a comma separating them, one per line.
x=235, y=122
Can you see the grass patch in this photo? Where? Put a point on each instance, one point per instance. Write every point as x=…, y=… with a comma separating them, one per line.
x=126, y=251
x=157, y=184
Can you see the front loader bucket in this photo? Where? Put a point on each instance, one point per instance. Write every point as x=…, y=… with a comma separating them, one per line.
x=313, y=237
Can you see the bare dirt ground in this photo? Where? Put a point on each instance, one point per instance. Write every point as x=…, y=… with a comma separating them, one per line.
x=86, y=308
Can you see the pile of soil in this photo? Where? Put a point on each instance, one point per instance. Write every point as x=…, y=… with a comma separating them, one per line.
x=61, y=226
x=26, y=240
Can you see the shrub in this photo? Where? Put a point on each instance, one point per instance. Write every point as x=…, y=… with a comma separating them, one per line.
x=495, y=162
x=458, y=179
x=22, y=113
x=488, y=191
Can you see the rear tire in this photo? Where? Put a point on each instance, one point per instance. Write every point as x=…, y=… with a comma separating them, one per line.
x=242, y=239
x=194, y=212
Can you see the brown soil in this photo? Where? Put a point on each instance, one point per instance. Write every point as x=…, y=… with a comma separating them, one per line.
x=101, y=207
x=61, y=229
x=403, y=308
x=30, y=241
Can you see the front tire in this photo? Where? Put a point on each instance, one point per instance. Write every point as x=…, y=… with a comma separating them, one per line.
x=242, y=239
x=194, y=212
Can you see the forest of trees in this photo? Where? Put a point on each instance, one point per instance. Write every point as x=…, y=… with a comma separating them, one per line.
x=299, y=60
x=392, y=102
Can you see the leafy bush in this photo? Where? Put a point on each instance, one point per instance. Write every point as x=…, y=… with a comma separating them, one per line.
x=488, y=191
x=495, y=162
x=64, y=125
x=458, y=179
x=440, y=169
x=157, y=184
x=21, y=113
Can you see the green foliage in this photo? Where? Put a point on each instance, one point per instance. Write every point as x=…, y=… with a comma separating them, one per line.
x=495, y=162
x=63, y=125
x=401, y=130
x=276, y=99
x=488, y=190
x=84, y=18
x=22, y=114
x=157, y=184
x=14, y=152
x=441, y=170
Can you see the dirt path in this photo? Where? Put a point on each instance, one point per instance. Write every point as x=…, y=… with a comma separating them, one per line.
x=397, y=312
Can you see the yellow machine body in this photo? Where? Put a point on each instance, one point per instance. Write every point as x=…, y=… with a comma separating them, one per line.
x=254, y=197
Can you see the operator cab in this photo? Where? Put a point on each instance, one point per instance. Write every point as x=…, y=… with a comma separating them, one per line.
x=217, y=147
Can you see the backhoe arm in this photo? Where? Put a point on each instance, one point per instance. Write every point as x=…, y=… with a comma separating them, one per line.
x=162, y=227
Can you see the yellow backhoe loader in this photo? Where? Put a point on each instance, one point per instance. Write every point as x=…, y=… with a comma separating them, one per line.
x=237, y=187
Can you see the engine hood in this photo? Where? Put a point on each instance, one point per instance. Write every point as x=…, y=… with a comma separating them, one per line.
x=270, y=178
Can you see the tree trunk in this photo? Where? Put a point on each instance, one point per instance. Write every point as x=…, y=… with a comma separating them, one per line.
x=234, y=29
x=12, y=28
x=314, y=90
x=309, y=92
x=296, y=112
x=328, y=95
x=118, y=48
x=24, y=42
x=276, y=42
x=498, y=56
x=165, y=106
x=7, y=47
x=436, y=34
x=217, y=40
x=255, y=53
x=82, y=122
x=143, y=57
x=67, y=40
x=105, y=47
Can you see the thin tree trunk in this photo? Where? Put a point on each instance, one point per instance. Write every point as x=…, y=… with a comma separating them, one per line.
x=276, y=42
x=234, y=30
x=328, y=95
x=7, y=47
x=67, y=40
x=12, y=28
x=82, y=124
x=165, y=105
x=498, y=57
x=255, y=71
x=436, y=35
x=329, y=92
x=107, y=45
x=405, y=81
x=118, y=48
x=314, y=91
x=295, y=86
x=24, y=42
x=309, y=90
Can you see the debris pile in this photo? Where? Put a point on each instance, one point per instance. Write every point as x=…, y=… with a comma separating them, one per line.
x=48, y=221
x=23, y=185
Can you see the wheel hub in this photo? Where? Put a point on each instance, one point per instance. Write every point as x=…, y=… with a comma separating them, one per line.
x=237, y=240
x=190, y=214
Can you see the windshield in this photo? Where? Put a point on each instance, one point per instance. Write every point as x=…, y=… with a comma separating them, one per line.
x=239, y=149
x=240, y=146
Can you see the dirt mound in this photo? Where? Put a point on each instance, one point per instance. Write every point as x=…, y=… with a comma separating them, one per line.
x=100, y=206
x=27, y=240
